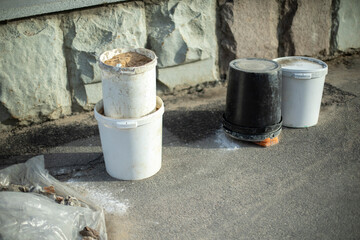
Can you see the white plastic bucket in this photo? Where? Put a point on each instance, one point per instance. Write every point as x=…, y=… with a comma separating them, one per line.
x=128, y=92
x=132, y=147
x=303, y=81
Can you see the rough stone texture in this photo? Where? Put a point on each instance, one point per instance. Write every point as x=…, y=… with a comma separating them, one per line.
x=90, y=32
x=311, y=27
x=33, y=81
x=287, y=10
x=348, y=35
x=335, y=5
x=182, y=32
x=93, y=92
x=248, y=29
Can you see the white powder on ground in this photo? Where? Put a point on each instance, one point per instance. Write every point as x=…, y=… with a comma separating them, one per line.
x=223, y=141
x=108, y=202
x=103, y=198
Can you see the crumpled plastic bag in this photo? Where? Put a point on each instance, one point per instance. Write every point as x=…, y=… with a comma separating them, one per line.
x=30, y=215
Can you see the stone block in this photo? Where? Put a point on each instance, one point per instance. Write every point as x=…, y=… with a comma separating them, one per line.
x=183, y=32
x=93, y=92
x=248, y=28
x=187, y=74
x=33, y=80
x=90, y=32
x=348, y=35
x=311, y=27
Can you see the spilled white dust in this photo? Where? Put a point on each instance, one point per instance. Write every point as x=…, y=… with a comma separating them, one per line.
x=103, y=198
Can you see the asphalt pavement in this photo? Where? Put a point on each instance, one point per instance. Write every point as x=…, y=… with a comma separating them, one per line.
x=211, y=186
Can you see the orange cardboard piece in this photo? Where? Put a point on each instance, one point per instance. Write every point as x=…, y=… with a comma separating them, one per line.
x=49, y=189
x=268, y=142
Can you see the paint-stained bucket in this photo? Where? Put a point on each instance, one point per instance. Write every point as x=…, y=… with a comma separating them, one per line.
x=128, y=92
x=303, y=81
x=132, y=147
x=253, y=101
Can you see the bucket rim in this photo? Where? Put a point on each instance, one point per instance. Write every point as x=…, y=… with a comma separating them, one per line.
x=251, y=138
x=276, y=68
x=127, y=70
x=251, y=130
x=136, y=122
x=251, y=134
x=322, y=71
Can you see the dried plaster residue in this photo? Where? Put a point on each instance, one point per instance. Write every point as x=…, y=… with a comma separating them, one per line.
x=129, y=59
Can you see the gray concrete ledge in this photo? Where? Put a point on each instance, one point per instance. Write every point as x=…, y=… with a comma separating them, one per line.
x=13, y=9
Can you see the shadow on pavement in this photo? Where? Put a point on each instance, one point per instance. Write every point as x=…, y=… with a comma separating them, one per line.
x=192, y=126
x=197, y=129
x=74, y=151
x=36, y=140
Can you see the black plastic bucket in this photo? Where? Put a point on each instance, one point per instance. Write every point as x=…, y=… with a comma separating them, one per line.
x=253, y=101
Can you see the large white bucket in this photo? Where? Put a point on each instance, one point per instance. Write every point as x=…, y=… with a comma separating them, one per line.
x=128, y=92
x=303, y=81
x=132, y=147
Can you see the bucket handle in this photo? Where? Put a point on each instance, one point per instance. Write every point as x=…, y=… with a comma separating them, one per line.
x=302, y=75
x=122, y=125
x=126, y=124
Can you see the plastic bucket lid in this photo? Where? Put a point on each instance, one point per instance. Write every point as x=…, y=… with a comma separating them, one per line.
x=302, y=67
x=254, y=65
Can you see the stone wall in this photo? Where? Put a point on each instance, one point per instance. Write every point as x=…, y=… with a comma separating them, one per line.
x=48, y=63
x=33, y=82
x=182, y=33
x=311, y=27
x=248, y=28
